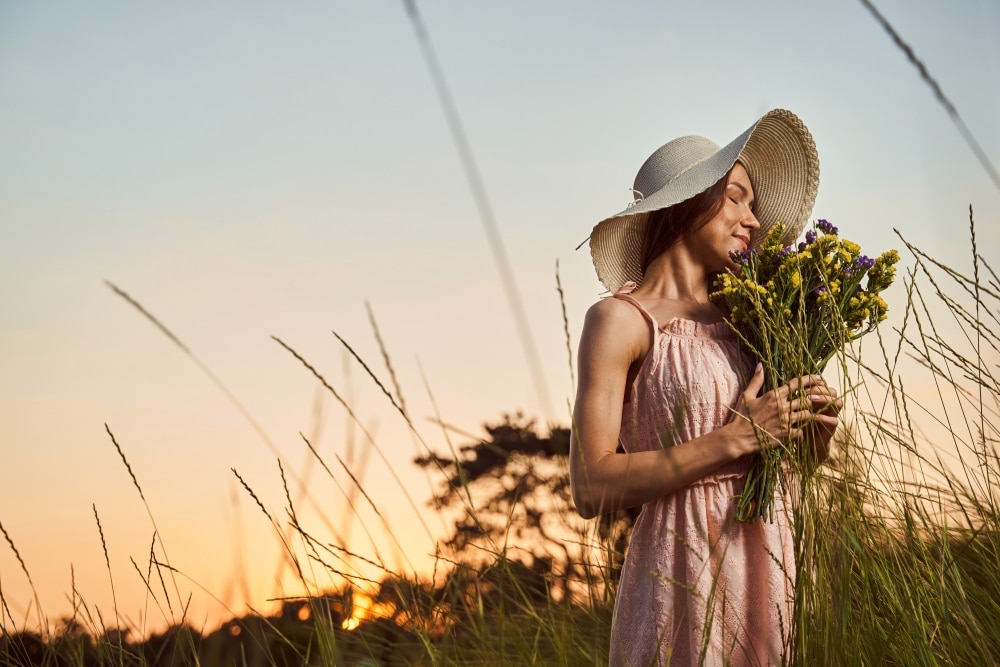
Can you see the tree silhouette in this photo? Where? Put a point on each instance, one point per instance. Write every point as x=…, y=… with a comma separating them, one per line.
x=512, y=490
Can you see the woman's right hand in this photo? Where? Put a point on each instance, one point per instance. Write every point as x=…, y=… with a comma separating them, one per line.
x=765, y=421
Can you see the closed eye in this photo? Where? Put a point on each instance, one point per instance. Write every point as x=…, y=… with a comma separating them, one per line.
x=741, y=196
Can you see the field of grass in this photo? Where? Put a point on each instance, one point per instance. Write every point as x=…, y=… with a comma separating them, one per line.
x=898, y=536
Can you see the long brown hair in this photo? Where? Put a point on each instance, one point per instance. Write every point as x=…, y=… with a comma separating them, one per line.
x=666, y=226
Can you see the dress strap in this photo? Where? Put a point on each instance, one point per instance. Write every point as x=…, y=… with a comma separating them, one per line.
x=624, y=294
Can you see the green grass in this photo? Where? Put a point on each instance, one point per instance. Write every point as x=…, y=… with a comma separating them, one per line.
x=898, y=537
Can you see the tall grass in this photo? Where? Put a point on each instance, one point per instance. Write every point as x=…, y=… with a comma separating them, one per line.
x=897, y=537
x=899, y=544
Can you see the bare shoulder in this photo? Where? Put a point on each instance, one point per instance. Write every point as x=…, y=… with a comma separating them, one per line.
x=616, y=324
x=615, y=313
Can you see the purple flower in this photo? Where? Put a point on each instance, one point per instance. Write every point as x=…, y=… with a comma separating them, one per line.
x=803, y=245
x=785, y=252
x=825, y=227
x=819, y=290
x=740, y=256
x=811, y=236
x=864, y=262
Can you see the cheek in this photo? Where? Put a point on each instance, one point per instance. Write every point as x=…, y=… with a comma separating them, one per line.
x=733, y=213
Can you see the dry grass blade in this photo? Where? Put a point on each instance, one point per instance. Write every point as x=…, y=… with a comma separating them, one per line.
x=111, y=579
x=253, y=494
x=350, y=498
x=144, y=578
x=121, y=454
x=149, y=511
x=565, y=319
x=371, y=440
x=419, y=444
x=385, y=522
x=966, y=133
x=386, y=359
x=521, y=322
x=287, y=550
x=371, y=374
x=24, y=568
x=204, y=369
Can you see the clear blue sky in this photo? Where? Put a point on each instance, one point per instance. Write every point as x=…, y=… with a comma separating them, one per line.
x=255, y=169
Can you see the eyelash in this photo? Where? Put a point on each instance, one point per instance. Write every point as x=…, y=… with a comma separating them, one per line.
x=736, y=199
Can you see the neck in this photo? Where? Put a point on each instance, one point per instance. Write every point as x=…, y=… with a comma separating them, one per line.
x=675, y=275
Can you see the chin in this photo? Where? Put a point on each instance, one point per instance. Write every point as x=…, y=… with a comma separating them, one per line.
x=728, y=264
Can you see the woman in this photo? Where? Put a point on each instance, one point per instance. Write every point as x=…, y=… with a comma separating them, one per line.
x=662, y=375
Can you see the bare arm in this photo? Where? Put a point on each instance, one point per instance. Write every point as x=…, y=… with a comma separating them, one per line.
x=614, y=337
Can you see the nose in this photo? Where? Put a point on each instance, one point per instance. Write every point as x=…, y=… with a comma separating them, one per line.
x=750, y=220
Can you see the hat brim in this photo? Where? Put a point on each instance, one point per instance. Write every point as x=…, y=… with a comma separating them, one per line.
x=780, y=157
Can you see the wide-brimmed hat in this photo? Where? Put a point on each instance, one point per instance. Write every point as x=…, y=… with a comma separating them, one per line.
x=780, y=158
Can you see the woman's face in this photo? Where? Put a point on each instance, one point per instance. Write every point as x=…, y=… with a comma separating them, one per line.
x=729, y=231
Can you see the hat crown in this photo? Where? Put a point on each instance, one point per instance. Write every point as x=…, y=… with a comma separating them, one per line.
x=671, y=161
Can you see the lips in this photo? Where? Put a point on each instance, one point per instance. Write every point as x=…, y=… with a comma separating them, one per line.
x=745, y=240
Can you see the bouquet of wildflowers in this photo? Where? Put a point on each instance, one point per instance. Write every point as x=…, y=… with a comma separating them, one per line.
x=794, y=308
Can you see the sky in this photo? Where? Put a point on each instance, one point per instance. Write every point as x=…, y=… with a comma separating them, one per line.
x=248, y=170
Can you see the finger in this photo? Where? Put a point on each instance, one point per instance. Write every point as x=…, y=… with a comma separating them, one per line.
x=821, y=403
x=806, y=382
x=810, y=404
x=817, y=401
x=817, y=394
x=789, y=420
x=766, y=439
x=819, y=387
x=796, y=433
x=817, y=418
x=756, y=383
x=805, y=402
x=827, y=421
x=799, y=417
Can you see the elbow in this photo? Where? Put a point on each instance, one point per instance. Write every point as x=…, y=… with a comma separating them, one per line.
x=589, y=490
x=580, y=491
x=585, y=504
x=585, y=510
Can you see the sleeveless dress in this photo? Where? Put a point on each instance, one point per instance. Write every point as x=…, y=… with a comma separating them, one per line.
x=697, y=587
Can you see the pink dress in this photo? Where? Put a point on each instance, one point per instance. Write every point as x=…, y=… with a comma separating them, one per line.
x=697, y=587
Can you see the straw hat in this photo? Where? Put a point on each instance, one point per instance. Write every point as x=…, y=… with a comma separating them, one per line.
x=779, y=155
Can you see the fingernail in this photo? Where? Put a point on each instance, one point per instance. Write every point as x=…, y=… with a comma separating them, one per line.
x=758, y=368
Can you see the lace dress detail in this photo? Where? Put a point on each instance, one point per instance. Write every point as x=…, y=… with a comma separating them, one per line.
x=697, y=587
